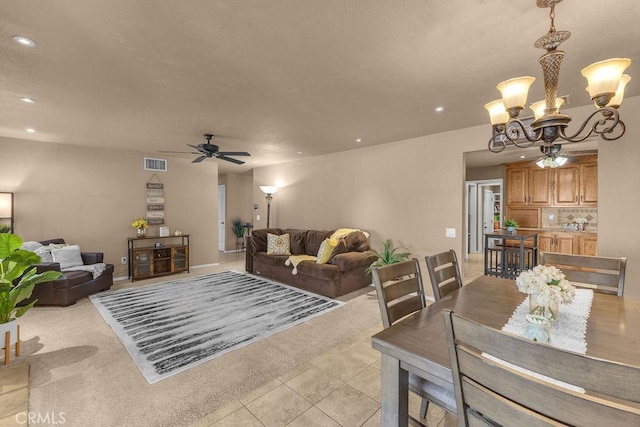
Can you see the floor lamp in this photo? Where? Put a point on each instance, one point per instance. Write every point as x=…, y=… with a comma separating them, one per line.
x=269, y=191
x=6, y=212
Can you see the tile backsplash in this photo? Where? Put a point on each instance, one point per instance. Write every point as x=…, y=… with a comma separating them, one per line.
x=556, y=217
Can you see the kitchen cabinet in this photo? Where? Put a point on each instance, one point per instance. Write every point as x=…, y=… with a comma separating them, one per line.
x=588, y=244
x=525, y=217
x=557, y=242
x=568, y=243
x=528, y=186
x=576, y=185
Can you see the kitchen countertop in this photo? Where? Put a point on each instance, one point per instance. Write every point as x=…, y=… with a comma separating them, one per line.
x=559, y=230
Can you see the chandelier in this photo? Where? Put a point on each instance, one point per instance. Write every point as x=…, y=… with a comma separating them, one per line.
x=606, y=83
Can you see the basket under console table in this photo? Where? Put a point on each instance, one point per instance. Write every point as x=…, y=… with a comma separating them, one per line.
x=507, y=254
x=157, y=256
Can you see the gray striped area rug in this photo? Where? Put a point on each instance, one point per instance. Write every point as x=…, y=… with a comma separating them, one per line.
x=172, y=326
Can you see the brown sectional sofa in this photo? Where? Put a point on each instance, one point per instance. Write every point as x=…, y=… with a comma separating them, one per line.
x=343, y=273
x=72, y=285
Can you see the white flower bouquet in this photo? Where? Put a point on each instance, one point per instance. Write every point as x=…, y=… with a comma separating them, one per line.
x=548, y=286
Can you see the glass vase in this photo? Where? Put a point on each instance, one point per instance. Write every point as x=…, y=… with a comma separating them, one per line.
x=141, y=233
x=549, y=312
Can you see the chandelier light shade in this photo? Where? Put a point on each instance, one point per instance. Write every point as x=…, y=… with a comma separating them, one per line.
x=514, y=91
x=497, y=114
x=605, y=84
x=617, y=98
x=604, y=77
x=539, y=107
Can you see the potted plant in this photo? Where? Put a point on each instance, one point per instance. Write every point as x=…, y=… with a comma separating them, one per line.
x=510, y=225
x=387, y=256
x=237, y=227
x=17, y=280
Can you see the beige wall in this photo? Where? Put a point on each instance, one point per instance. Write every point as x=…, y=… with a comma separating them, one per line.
x=89, y=196
x=239, y=202
x=490, y=172
x=410, y=191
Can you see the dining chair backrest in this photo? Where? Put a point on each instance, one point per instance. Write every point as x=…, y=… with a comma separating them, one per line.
x=602, y=274
x=487, y=388
x=400, y=290
x=444, y=273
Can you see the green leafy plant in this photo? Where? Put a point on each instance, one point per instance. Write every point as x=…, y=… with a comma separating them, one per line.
x=510, y=223
x=387, y=256
x=17, y=279
x=237, y=226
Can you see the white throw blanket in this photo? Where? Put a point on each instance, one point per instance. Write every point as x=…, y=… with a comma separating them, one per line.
x=95, y=269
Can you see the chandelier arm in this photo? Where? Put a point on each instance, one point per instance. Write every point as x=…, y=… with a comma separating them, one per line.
x=513, y=134
x=496, y=145
x=603, y=126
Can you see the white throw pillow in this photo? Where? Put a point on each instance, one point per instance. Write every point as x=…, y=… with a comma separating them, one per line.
x=69, y=256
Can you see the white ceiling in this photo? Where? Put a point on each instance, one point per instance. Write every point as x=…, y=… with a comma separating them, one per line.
x=283, y=79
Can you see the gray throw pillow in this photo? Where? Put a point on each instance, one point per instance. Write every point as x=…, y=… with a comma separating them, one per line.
x=31, y=246
x=69, y=256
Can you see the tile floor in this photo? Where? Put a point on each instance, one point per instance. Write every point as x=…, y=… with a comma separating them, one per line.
x=338, y=388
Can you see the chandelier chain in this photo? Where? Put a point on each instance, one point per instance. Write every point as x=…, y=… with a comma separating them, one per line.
x=552, y=16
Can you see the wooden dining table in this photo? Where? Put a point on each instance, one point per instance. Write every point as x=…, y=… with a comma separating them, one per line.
x=417, y=344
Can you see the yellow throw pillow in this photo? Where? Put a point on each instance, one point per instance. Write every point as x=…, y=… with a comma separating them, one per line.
x=278, y=245
x=326, y=249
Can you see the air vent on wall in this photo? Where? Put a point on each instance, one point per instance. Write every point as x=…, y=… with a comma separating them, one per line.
x=151, y=164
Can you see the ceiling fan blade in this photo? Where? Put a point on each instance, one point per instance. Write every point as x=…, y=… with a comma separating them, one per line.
x=234, y=153
x=198, y=159
x=229, y=159
x=200, y=149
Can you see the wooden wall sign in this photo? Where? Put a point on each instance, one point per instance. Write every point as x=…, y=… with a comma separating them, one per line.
x=155, y=202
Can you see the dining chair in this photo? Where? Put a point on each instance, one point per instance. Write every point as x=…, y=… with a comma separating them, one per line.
x=400, y=293
x=488, y=392
x=602, y=274
x=444, y=272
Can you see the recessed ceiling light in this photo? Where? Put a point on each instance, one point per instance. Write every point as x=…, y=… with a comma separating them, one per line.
x=359, y=140
x=439, y=109
x=31, y=130
x=522, y=157
x=299, y=152
x=24, y=41
x=27, y=100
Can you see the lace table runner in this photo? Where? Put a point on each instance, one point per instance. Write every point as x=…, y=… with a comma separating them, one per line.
x=568, y=333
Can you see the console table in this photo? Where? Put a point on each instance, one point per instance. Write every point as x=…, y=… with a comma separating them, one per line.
x=507, y=254
x=157, y=256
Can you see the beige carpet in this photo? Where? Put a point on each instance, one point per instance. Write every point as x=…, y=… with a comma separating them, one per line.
x=79, y=367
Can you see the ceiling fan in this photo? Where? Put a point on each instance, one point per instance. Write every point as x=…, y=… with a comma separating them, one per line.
x=554, y=158
x=208, y=150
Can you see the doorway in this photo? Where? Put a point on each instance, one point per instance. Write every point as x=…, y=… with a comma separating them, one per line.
x=221, y=216
x=483, y=212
